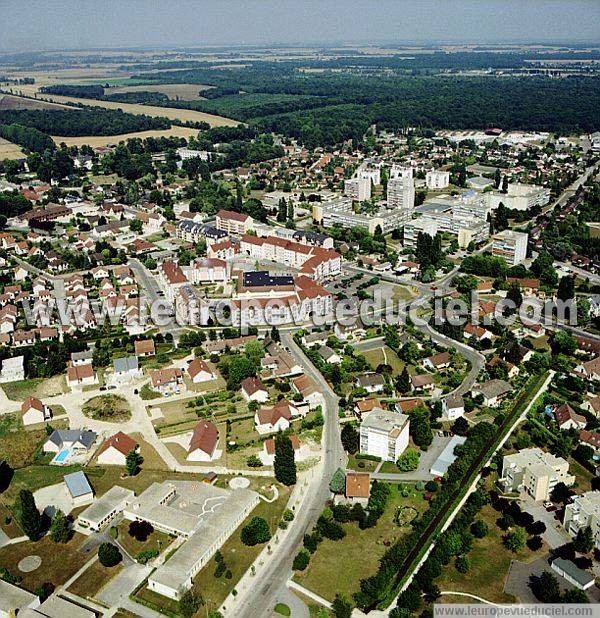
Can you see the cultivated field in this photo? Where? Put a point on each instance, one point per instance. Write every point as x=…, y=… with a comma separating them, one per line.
x=8, y=150
x=185, y=115
x=10, y=102
x=183, y=92
x=109, y=140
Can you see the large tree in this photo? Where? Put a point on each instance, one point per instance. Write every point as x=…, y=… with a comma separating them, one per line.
x=284, y=464
x=256, y=531
x=584, y=541
x=30, y=518
x=60, y=531
x=350, y=439
x=109, y=555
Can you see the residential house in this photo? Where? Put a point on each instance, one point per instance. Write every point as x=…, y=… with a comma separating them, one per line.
x=272, y=420
x=254, y=390
x=493, y=392
x=126, y=369
x=115, y=449
x=371, y=382
x=78, y=440
x=309, y=390
x=358, y=489
x=453, y=406
x=567, y=418
x=34, y=411
x=79, y=488
x=199, y=371
x=166, y=381
x=329, y=355
x=422, y=382
x=437, y=361
x=80, y=375
x=203, y=442
x=144, y=347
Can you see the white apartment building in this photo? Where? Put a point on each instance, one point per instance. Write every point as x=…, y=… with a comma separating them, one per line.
x=384, y=434
x=519, y=197
x=467, y=229
x=510, y=246
x=340, y=213
x=535, y=473
x=401, y=193
x=400, y=171
x=359, y=189
x=584, y=511
x=437, y=179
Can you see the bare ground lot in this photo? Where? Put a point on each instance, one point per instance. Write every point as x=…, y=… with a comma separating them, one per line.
x=183, y=92
x=10, y=102
x=109, y=140
x=8, y=150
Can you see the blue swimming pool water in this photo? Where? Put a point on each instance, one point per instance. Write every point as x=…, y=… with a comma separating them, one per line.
x=62, y=456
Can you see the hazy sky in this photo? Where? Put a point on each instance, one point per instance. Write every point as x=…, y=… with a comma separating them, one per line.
x=51, y=24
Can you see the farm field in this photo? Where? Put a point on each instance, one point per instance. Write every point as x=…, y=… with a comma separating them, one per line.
x=182, y=115
x=10, y=102
x=108, y=140
x=8, y=150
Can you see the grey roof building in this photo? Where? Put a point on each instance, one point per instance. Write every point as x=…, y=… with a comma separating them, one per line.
x=78, y=485
x=68, y=437
x=573, y=574
x=128, y=364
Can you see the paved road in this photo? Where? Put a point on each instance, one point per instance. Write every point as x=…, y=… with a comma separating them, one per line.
x=260, y=600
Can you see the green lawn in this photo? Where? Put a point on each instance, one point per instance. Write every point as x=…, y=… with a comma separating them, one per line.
x=338, y=566
x=282, y=609
x=361, y=465
x=157, y=540
x=93, y=579
x=490, y=562
x=36, y=476
x=385, y=355
x=59, y=561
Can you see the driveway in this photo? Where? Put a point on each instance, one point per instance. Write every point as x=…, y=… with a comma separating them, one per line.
x=555, y=534
x=53, y=498
x=123, y=584
x=427, y=459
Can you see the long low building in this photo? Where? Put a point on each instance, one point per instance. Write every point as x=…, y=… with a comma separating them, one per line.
x=206, y=516
x=101, y=512
x=314, y=262
x=447, y=457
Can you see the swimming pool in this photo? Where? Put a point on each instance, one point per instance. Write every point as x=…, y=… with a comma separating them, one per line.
x=62, y=456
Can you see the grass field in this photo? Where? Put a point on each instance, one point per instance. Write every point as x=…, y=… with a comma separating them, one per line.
x=157, y=540
x=109, y=408
x=18, y=446
x=59, y=561
x=387, y=356
x=490, y=562
x=8, y=150
x=36, y=476
x=107, y=140
x=36, y=387
x=93, y=579
x=326, y=577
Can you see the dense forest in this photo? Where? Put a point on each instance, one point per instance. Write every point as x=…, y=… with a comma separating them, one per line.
x=28, y=137
x=82, y=91
x=280, y=97
x=75, y=122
